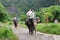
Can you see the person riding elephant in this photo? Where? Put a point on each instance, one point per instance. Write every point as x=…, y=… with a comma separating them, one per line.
x=15, y=21
x=30, y=21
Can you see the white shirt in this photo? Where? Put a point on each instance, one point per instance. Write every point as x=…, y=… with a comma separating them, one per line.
x=56, y=21
x=31, y=14
x=15, y=18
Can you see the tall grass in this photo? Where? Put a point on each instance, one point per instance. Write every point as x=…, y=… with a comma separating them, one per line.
x=51, y=28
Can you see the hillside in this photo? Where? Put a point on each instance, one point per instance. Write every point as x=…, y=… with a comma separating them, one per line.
x=17, y=7
x=27, y=4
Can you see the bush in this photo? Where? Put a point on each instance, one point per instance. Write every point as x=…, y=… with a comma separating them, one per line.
x=10, y=23
x=7, y=34
x=3, y=14
x=51, y=13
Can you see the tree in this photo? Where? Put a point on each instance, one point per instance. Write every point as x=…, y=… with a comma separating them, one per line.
x=50, y=13
x=25, y=5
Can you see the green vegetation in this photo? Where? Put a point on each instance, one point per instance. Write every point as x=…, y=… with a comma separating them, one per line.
x=51, y=28
x=20, y=7
x=25, y=5
x=23, y=17
x=17, y=7
x=49, y=13
x=7, y=34
x=46, y=10
x=3, y=13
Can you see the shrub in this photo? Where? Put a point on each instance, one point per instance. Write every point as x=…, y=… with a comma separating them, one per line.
x=10, y=23
x=3, y=14
x=7, y=34
x=51, y=13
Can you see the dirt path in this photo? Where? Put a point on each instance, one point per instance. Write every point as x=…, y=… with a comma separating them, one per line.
x=22, y=34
